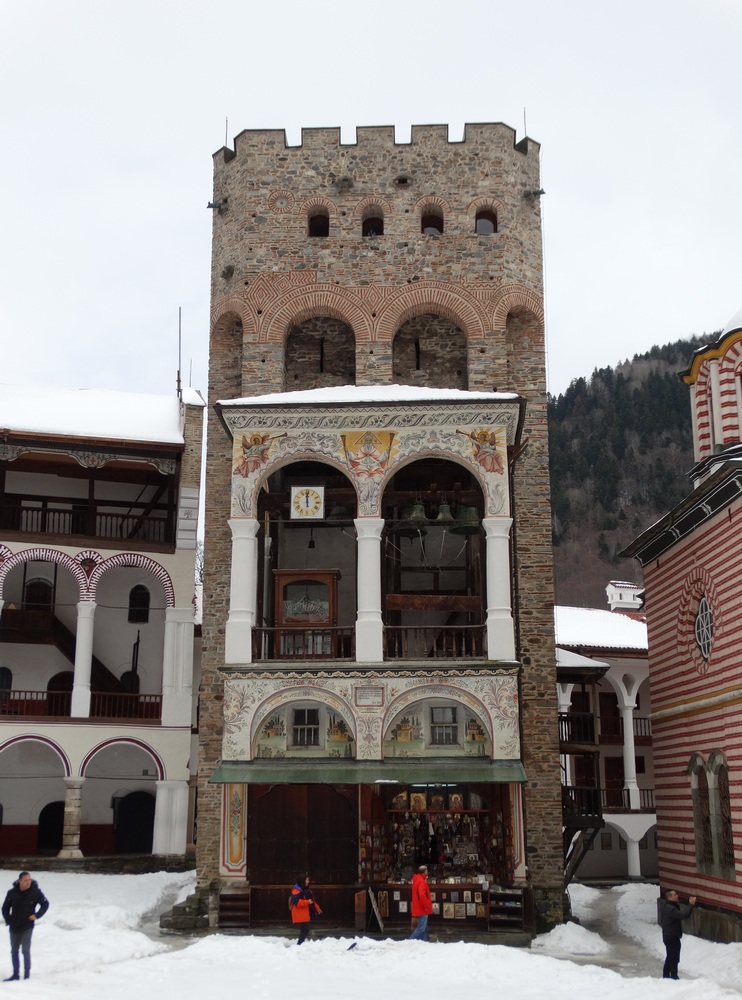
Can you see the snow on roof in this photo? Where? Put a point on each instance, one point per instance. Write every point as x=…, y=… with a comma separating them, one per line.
x=367, y=394
x=567, y=659
x=599, y=629
x=94, y=413
x=735, y=323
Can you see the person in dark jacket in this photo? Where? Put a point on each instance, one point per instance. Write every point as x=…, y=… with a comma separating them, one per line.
x=422, y=905
x=672, y=915
x=24, y=904
x=304, y=907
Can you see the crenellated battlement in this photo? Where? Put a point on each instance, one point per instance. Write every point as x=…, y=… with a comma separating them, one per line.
x=378, y=138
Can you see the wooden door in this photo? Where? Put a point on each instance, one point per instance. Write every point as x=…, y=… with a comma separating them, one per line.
x=302, y=829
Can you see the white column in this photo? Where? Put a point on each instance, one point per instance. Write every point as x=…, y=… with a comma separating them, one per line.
x=500, y=626
x=83, y=660
x=633, y=858
x=177, y=667
x=369, y=626
x=629, y=756
x=717, y=432
x=72, y=813
x=242, y=590
x=171, y=817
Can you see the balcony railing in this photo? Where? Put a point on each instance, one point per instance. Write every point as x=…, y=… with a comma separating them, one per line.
x=461, y=642
x=581, y=802
x=91, y=522
x=619, y=800
x=577, y=727
x=441, y=642
x=612, y=727
x=58, y=704
x=303, y=643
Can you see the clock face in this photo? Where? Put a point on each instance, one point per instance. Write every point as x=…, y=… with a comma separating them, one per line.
x=307, y=501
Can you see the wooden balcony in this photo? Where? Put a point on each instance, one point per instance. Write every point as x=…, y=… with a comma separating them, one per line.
x=577, y=728
x=611, y=730
x=38, y=518
x=617, y=800
x=437, y=642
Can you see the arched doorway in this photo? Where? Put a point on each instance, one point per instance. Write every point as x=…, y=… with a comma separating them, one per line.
x=302, y=828
x=59, y=693
x=51, y=826
x=134, y=820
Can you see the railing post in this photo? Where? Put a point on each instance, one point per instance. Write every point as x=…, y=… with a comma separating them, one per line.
x=171, y=816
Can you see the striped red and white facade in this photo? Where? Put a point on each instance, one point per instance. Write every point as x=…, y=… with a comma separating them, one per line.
x=692, y=561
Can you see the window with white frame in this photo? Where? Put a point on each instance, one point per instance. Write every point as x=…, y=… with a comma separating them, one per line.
x=305, y=729
x=444, y=729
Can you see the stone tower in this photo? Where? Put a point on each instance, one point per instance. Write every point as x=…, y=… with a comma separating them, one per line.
x=378, y=597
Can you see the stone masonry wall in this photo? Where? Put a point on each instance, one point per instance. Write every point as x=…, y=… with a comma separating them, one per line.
x=269, y=276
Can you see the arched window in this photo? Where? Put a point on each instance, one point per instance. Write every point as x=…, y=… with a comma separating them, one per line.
x=704, y=840
x=139, y=604
x=431, y=223
x=726, y=839
x=319, y=223
x=485, y=223
x=373, y=223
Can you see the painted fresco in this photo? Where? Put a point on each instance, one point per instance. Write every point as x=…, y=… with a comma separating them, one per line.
x=274, y=736
x=410, y=735
x=262, y=440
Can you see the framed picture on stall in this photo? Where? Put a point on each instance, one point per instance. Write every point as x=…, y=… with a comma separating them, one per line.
x=471, y=909
x=418, y=802
x=467, y=895
x=436, y=909
x=477, y=897
x=448, y=911
x=480, y=910
x=437, y=803
x=460, y=911
x=401, y=801
x=456, y=802
x=383, y=903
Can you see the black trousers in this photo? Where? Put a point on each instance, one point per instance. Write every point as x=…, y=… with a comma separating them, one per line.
x=304, y=930
x=672, y=947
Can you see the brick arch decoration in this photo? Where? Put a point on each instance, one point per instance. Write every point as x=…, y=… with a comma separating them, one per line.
x=315, y=202
x=437, y=297
x=130, y=741
x=141, y=562
x=287, y=696
x=697, y=584
x=486, y=205
x=717, y=760
x=47, y=555
x=52, y=744
x=372, y=201
x=425, y=692
x=511, y=297
x=433, y=201
x=226, y=307
x=319, y=300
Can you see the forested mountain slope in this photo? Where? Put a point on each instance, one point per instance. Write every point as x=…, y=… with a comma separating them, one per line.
x=620, y=449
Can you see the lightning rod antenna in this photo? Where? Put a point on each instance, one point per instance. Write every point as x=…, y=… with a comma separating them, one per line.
x=178, y=385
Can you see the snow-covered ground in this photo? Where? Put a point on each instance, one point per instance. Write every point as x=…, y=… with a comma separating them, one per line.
x=98, y=941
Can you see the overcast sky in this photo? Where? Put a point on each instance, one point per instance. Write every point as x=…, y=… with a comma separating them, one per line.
x=111, y=112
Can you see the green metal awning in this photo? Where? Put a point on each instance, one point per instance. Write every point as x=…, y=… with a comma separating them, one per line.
x=286, y=771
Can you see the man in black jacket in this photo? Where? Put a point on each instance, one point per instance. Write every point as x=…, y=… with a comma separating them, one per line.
x=672, y=915
x=24, y=904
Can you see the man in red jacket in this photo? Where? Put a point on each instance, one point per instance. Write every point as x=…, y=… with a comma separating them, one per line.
x=422, y=905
